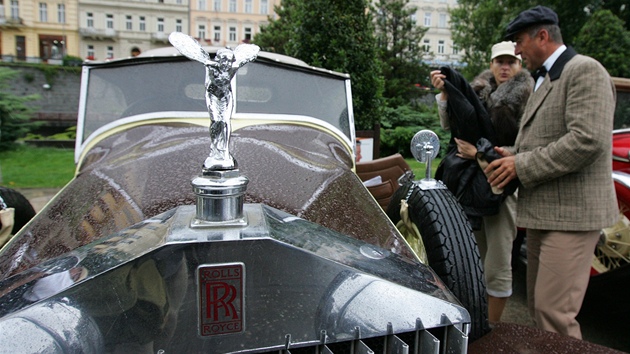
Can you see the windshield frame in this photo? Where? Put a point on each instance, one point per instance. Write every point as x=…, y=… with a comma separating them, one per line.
x=84, y=139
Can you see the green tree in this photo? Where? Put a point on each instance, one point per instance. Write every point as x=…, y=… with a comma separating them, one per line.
x=278, y=35
x=399, y=41
x=596, y=37
x=14, y=114
x=619, y=8
x=336, y=35
x=400, y=124
x=478, y=24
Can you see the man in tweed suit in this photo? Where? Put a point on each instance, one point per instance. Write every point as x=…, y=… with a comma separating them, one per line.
x=562, y=158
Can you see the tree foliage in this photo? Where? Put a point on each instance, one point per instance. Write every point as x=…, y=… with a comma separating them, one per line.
x=14, y=114
x=605, y=38
x=336, y=35
x=399, y=124
x=279, y=35
x=399, y=42
x=619, y=8
x=478, y=24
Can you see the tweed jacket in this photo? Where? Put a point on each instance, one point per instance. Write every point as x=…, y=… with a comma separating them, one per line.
x=564, y=149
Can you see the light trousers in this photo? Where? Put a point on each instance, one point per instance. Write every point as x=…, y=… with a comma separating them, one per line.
x=558, y=271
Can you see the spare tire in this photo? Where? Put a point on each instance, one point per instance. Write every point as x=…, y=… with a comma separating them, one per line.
x=24, y=211
x=450, y=246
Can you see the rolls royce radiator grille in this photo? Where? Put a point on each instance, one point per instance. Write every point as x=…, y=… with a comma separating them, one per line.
x=448, y=339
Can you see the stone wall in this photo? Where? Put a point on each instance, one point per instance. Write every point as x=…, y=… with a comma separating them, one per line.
x=58, y=89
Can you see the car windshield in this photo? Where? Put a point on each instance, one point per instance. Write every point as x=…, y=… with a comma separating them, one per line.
x=114, y=92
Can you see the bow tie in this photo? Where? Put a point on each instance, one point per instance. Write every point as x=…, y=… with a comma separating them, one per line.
x=541, y=72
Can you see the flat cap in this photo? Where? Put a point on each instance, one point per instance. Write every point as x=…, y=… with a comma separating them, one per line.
x=534, y=16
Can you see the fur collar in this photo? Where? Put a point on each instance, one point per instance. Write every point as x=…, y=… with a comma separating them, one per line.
x=505, y=103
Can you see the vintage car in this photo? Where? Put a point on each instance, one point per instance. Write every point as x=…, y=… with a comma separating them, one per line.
x=162, y=243
x=611, y=264
x=150, y=249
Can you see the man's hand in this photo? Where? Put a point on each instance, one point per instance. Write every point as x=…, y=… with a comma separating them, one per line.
x=437, y=80
x=501, y=171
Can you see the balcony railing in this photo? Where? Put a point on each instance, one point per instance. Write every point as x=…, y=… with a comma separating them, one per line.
x=98, y=33
x=159, y=37
x=11, y=22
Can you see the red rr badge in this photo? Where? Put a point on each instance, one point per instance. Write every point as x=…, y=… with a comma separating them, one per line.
x=221, y=298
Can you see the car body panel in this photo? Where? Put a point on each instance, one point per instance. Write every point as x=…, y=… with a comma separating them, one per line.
x=120, y=256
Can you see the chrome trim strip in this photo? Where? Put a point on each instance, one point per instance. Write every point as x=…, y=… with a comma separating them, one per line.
x=239, y=121
x=621, y=178
x=353, y=133
x=81, y=113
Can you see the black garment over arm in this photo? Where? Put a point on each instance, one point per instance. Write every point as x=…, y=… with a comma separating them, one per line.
x=468, y=118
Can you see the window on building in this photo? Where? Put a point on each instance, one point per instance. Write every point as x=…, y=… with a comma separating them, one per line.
x=217, y=34
x=201, y=31
x=248, y=6
x=110, y=52
x=217, y=5
x=442, y=21
x=43, y=12
x=90, y=51
x=232, y=5
x=427, y=19
x=414, y=18
x=201, y=5
x=61, y=13
x=426, y=45
x=142, y=24
x=128, y=23
x=264, y=7
x=160, y=25
x=179, y=2
x=90, y=20
x=15, y=9
x=440, y=47
x=232, y=34
x=109, y=21
x=178, y=25
x=247, y=34
x=455, y=50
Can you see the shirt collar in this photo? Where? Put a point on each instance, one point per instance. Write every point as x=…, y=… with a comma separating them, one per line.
x=553, y=57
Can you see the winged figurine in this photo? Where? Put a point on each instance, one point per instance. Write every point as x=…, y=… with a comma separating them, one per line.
x=219, y=96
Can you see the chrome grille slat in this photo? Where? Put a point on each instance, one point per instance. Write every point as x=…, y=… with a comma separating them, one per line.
x=421, y=341
x=326, y=350
x=362, y=348
x=397, y=345
x=457, y=341
x=427, y=343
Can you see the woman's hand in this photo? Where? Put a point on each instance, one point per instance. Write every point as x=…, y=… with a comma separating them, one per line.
x=465, y=150
x=437, y=80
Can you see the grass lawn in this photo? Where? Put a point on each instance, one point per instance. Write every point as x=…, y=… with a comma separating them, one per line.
x=419, y=169
x=35, y=167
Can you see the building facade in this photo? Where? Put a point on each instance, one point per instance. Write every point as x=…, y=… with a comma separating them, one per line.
x=47, y=30
x=110, y=29
x=38, y=30
x=434, y=15
x=228, y=22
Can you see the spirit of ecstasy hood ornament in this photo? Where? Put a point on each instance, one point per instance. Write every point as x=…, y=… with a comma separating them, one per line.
x=220, y=188
x=219, y=96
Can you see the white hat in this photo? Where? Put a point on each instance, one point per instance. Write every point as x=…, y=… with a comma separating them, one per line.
x=504, y=48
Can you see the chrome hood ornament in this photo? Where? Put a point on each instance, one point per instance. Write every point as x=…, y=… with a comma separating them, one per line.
x=219, y=96
x=220, y=187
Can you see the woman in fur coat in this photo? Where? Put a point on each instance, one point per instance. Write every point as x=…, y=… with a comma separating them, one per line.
x=503, y=90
